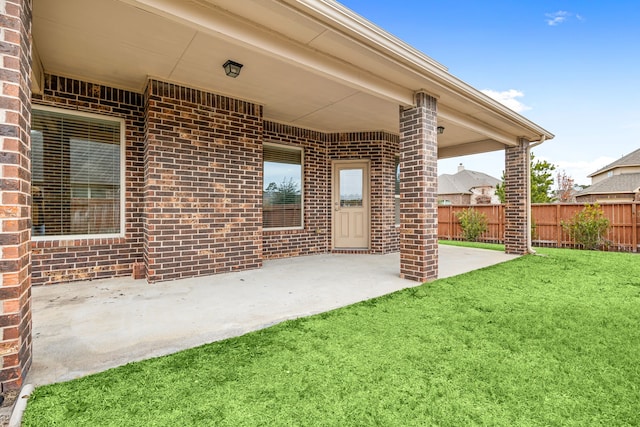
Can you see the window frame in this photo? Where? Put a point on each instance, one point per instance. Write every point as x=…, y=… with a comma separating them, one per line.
x=123, y=174
x=302, y=192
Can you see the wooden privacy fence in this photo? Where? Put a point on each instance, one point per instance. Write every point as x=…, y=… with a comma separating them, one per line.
x=547, y=221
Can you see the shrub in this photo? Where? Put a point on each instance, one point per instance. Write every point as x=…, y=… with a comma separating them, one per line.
x=588, y=227
x=473, y=223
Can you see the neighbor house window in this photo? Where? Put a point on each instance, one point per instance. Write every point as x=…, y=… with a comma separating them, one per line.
x=397, y=191
x=282, y=187
x=76, y=174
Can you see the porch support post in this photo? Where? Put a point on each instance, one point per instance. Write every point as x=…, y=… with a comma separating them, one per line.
x=15, y=192
x=517, y=228
x=418, y=190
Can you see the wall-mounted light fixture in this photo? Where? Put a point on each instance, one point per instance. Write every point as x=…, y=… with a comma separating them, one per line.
x=440, y=130
x=231, y=68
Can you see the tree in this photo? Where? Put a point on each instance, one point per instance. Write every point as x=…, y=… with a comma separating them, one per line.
x=566, y=188
x=473, y=224
x=588, y=227
x=271, y=188
x=541, y=182
x=285, y=193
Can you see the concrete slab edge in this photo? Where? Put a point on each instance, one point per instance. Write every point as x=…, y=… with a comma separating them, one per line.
x=20, y=405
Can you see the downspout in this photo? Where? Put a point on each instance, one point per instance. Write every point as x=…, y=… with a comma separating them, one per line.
x=543, y=138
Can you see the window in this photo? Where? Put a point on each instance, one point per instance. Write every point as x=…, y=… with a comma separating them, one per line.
x=282, y=187
x=397, y=191
x=76, y=174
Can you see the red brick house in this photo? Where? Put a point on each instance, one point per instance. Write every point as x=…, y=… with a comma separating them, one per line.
x=126, y=143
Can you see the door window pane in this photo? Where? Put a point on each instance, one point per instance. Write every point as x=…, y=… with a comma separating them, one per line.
x=351, y=188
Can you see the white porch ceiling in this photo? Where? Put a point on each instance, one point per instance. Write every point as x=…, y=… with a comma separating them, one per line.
x=303, y=61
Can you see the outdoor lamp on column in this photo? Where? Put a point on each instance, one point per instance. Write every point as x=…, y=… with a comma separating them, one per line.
x=440, y=130
x=232, y=68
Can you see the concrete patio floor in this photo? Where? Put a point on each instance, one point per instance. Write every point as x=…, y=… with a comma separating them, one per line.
x=85, y=327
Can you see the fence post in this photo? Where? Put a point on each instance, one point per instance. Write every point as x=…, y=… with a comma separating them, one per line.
x=558, y=226
x=500, y=223
x=450, y=222
x=634, y=226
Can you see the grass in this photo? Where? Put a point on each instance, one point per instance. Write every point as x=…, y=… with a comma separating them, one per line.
x=540, y=340
x=479, y=245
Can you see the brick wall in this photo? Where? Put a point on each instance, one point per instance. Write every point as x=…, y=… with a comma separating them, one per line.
x=200, y=156
x=418, y=190
x=203, y=175
x=320, y=150
x=67, y=260
x=515, y=180
x=15, y=182
x=381, y=149
x=315, y=235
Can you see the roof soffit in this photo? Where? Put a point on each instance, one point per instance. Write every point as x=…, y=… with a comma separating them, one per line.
x=356, y=68
x=206, y=17
x=330, y=39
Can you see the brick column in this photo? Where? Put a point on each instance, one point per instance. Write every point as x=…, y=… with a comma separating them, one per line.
x=419, y=190
x=15, y=182
x=517, y=207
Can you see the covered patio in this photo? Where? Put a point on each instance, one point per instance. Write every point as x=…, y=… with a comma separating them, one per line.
x=82, y=328
x=183, y=139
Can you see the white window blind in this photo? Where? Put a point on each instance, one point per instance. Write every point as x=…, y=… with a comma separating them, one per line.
x=282, y=190
x=76, y=174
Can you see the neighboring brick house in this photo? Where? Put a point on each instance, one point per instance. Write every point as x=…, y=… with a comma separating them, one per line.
x=619, y=181
x=175, y=139
x=467, y=187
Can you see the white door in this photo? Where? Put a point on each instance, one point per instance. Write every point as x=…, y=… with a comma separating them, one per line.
x=350, y=203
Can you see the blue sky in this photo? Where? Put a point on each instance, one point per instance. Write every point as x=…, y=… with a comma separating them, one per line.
x=573, y=67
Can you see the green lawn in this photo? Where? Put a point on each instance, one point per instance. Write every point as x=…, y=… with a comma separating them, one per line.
x=479, y=245
x=540, y=340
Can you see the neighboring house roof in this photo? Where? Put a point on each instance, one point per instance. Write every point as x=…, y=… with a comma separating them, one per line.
x=463, y=181
x=632, y=159
x=623, y=183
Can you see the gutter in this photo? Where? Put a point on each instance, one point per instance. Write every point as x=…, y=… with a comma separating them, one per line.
x=542, y=139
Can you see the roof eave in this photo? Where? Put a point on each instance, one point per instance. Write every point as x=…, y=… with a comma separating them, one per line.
x=356, y=27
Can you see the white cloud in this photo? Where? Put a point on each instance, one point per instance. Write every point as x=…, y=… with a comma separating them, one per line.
x=508, y=98
x=556, y=18
x=579, y=170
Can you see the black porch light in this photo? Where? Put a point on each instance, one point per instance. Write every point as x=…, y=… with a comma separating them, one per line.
x=440, y=130
x=232, y=68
